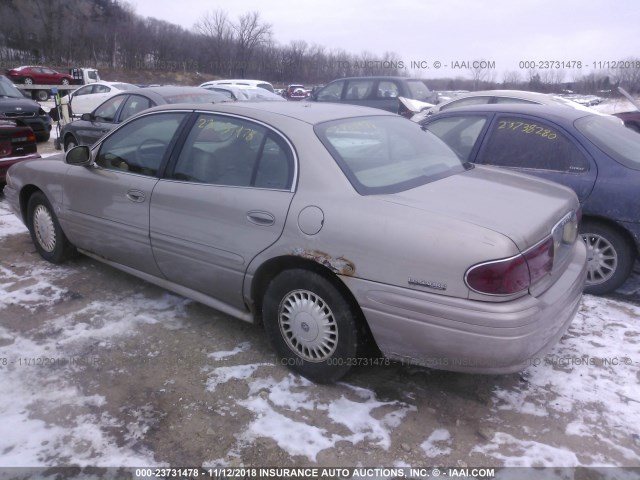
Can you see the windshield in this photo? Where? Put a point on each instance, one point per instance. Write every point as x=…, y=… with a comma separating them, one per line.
x=8, y=89
x=609, y=135
x=387, y=154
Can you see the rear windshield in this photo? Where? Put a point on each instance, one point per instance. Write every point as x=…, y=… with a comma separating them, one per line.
x=609, y=135
x=387, y=154
x=419, y=91
x=204, y=97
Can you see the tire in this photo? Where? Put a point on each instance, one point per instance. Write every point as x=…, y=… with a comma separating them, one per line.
x=64, y=81
x=28, y=81
x=43, y=137
x=70, y=142
x=300, y=303
x=610, y=257
x=46, y=233
x=42, y=95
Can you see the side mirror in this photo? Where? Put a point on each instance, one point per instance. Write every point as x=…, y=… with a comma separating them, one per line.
x=80, y=155
x=87, y=117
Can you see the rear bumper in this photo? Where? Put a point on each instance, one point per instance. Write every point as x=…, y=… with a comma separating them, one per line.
x=467, y=335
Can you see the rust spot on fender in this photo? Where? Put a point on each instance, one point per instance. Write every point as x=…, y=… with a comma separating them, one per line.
x=339, y=265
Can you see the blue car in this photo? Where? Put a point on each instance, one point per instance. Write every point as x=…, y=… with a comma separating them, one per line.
x=591, y=153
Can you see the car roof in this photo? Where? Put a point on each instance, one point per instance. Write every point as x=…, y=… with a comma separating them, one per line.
x=559, y=112
x=308, y=112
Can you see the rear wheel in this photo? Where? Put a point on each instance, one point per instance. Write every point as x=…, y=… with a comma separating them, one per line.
x=28, y=81
x=65, y=81
x=46, y=233
x=610, y=257
x=311, y=325
x=42, y=95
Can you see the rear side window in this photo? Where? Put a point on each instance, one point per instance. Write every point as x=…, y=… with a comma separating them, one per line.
x=459, y=133
x=387, y=89
x=524, y=143
x=135, y=104
x=230, y=151
x=619, y=142
x=463, y=102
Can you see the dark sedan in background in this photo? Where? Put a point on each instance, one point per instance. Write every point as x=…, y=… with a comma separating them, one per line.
x=14, y=106
x=119, y=108
x=593, y=154
x=17, y=143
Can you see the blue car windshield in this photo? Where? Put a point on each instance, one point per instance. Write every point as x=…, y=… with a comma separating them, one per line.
x=609, y=135
x=387, y=154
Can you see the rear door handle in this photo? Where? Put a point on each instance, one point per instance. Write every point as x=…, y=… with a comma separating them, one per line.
x=261, y=218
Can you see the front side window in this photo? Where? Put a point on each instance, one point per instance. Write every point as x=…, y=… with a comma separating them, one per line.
x=331, y=93
x=387, y=154
x=107, y=111
x=230, y=151
x=524, y=143
x=140, y=146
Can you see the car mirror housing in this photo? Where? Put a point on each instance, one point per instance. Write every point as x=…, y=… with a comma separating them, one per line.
x=86, y=117
x=80, y=155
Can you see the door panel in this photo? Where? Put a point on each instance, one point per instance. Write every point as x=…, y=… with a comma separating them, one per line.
x=538, y=147
x=226, y=200
x=107, y=203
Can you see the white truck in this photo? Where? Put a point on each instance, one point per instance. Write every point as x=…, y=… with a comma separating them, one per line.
x=81, y=76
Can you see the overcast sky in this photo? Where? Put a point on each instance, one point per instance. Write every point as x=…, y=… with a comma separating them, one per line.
x=504, y=32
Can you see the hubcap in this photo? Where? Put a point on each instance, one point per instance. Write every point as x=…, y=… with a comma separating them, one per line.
x=602, y=259
x=44, y=229
x=308, y=326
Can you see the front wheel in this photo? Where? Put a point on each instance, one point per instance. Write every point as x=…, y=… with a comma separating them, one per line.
x=70, y=142
x=46, y=233
x=65, y=81
x=28, y=81
x=311, y=325
x=609, y=257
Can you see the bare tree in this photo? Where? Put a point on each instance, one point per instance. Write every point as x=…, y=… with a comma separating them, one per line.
x=249, y=34
x=218, y=32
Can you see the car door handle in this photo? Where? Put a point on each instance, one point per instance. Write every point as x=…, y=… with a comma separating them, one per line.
x=135, y=196
x=261, y=218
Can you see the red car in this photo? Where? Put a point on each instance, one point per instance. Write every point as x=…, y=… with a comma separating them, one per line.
x=17, y=143
x=39, y=76
x=295, y=92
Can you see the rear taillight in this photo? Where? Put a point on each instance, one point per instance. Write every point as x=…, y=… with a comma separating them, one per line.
x=5, y=148
x=514, y=274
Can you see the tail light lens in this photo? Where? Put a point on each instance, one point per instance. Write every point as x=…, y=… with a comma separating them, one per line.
x=514, y=274
x=5, y=148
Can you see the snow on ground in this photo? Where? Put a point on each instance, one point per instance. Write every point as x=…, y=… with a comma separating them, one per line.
x=586, y=389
